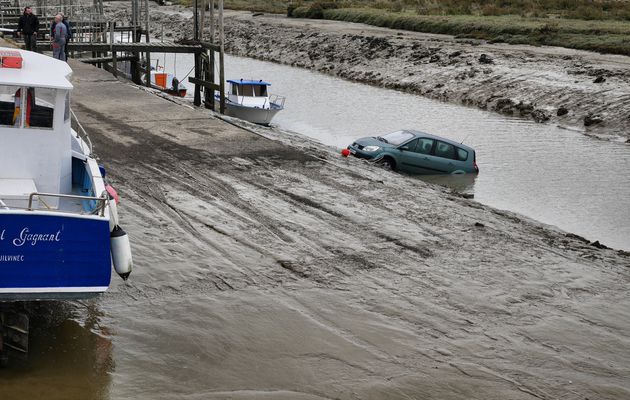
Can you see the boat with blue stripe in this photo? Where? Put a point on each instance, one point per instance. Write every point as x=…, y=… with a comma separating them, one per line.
x=59, y=228
x=250, y=100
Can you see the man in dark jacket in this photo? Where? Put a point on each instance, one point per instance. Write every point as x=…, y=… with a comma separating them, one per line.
x=28, y=25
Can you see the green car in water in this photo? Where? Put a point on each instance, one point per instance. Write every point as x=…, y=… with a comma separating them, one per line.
x=417, y=153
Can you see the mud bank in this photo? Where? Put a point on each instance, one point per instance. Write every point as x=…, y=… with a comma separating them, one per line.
x=577, y=89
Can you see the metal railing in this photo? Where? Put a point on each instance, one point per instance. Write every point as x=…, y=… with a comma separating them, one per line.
x=82, y=134
x=100, y=209
x=277, y=99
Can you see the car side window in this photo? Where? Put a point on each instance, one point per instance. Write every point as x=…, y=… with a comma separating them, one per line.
x=411, y=146
x=424, y=146
x=462, y=155
x=445, y=150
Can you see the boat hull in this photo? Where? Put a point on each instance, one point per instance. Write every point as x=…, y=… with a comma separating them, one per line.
x=48, y=256
x=256, y=115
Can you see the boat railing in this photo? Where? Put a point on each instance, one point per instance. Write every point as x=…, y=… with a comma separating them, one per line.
x=277, y=99
x=99, y=209
x=82, y=134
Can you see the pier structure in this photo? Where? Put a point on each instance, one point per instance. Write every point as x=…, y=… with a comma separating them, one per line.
x=125, y=47
x=87, y=19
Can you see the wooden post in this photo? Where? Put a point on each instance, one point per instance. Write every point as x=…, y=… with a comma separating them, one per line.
x=196, y=20
x=202, y=20
x=212, y=58
x=197, y=98
x=112, y=26
x=147, y=40
x=221, y=59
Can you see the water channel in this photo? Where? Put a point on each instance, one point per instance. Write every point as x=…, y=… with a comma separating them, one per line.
x=555, y=175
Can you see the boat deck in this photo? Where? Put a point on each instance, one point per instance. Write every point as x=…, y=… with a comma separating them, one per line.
x=14, y=195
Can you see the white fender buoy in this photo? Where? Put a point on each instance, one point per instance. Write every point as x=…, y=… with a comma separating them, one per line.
x=121, y=252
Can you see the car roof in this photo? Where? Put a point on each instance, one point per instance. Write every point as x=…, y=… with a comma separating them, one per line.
x=443, y=139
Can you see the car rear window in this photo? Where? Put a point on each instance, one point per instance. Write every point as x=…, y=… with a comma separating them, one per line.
x=462, y=155
x=445, y=150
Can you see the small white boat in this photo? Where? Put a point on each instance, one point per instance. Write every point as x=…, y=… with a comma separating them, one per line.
x=59, y=232
x=251, y=101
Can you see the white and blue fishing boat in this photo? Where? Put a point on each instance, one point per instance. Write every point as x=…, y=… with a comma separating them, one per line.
x=59, y=232
x=250, y=100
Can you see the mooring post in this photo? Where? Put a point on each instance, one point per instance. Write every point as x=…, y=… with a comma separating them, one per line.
x=112, y=28
x=147, y=40
x=221, y=59
x=212, y=58
x=202, y=20
x=197, y=99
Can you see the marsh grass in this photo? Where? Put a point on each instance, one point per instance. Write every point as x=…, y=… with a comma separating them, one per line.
x=606, y=36
x=596, y=25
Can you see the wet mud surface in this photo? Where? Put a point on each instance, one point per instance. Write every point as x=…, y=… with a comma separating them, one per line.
x=268, y=267
x=582, y=90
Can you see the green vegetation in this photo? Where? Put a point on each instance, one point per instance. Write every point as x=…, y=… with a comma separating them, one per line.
x=596, y=25
x=606, y=36
x=571, y=9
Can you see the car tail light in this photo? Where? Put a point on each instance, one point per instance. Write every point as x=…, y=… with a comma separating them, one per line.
x=475, y=163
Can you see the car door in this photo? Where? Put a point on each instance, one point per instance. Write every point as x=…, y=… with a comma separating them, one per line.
x=416, y=156
x=446, y=157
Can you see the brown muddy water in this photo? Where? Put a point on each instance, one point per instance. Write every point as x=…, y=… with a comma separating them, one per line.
x=552, y=174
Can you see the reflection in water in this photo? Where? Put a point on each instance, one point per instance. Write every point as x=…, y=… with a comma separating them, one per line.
x=460, y=183
x=70, y=356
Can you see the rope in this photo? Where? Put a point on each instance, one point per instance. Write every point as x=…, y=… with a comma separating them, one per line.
x=189, y=72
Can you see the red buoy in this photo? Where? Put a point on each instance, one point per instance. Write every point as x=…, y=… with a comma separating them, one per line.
x=345, y=152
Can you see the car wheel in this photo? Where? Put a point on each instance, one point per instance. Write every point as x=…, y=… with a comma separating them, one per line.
x=388, y=163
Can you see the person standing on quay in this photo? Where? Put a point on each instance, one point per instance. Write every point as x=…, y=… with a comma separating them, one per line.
x=59, y=39
x=65, y=21
x=29, y=26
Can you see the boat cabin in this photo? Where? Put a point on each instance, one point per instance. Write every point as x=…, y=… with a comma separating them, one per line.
x=249, y=93
x=36, y=151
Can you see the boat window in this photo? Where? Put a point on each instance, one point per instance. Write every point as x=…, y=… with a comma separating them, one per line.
x=260, y=90
x=34, y=110
x=235, y=90
x=7, y=105
x=247, y=90
x=42, y=108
